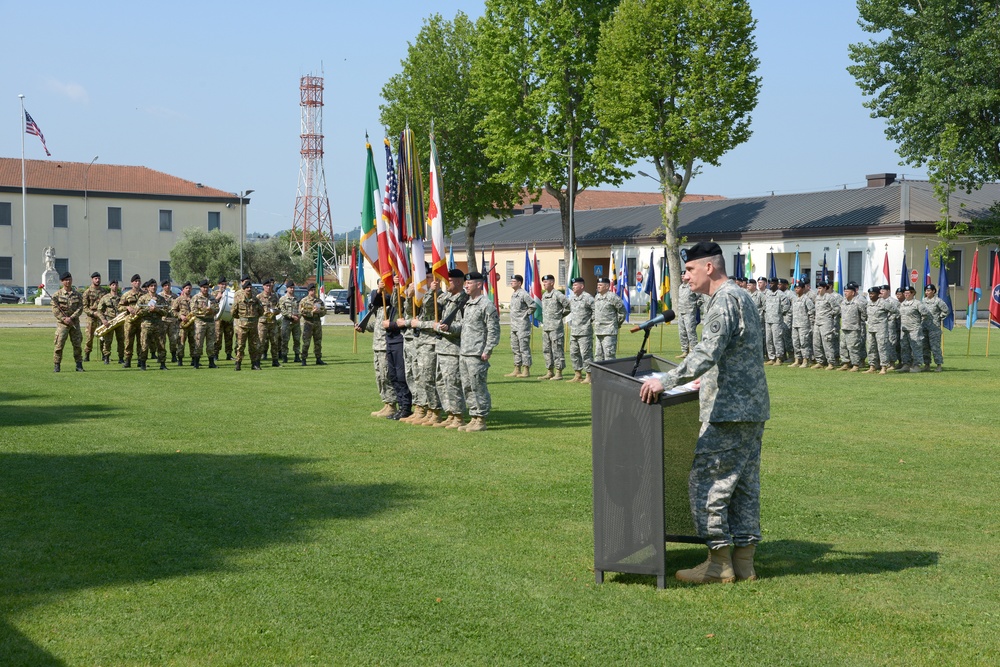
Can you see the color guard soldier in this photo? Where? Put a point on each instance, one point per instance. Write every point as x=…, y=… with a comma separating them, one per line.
x=128, y=304
x=268, y=329
x=937, y=311
x=376, y=310
x=67, y=305
x=181, y=310
x=853, y=317
x=171, y=327
x=107, y=309
x=312, y=311
x=425, y=390
x=223, y=329
x=449, y=378
x=204, y=308
x=803, y=312
x=246, y=316
x=91, y=297
x=291, y=327
x=912, y=314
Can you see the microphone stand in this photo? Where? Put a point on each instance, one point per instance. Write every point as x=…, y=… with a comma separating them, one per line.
x=642, y=351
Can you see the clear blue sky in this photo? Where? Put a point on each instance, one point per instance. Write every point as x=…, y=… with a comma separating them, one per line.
x=209, y=92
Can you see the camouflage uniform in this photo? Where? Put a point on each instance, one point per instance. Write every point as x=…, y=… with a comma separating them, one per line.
x=290, y=328
x=181, y=309
x=912, y=314
x=268, y=330
x=130, y=298
x=609, y=314
x=224, y=329
x=555, y=307
x=108, y=308
x=838, y=342
x=853, y=315
x=479, y=332
x=246, y=316
x=937, y=311
x=312, y=311
x=385, y=390
x=522, y=306
x=449, y=380
x=688, y=306
x=894, y=328
x=878, y=339
x=759, y=298
x=824, y=337
x=151, y=329
x=91, y=298
x=724, y=485
x=171, y=327
x=803, y=313
x=776, y=304
x=68, y=303
x=204, y=309
x=424, y=392
x=410, y=336
x=787, y=318
x=581, y=331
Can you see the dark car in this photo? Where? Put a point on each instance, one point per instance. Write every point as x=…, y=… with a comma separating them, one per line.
x=9, y=295
x=336, y=301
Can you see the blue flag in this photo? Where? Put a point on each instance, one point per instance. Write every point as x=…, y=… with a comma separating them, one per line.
x=904, y=280
x=650, y=289
x=949, y=322
x=773, y=273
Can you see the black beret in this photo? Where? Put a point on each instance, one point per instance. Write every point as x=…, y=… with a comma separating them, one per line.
x=931, y=287
x=852, y=286
x=165, y=282
x=474, y=275
x=203, y=282
x=135, y=277
x=289, y=283
x=873, y=290
x=822, y=283
x=604, y=281
x=762, y=278
x=427, y=267
x=95, y=274
x=884, y=287
x=456, y=273
x=900, y=290
x=579, y=279
x=245, y=284
x=782, y=281
x=113, y=281
x=518, y=277
x=910, y=288
x=186, y=284
x=66, y=276
x=245, y=277
x=222, y=279
x=700, y=251
x=311, y=287
x=548, y=276
x=772, y=280
x=799, y=283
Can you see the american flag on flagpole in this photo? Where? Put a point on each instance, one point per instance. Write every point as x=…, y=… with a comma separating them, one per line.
x=31, y=127
x=397, y=254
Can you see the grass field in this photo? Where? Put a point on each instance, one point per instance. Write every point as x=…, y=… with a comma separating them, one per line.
x=219, y=518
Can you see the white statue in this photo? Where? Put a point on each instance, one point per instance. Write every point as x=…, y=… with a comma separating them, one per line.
x=50, y=279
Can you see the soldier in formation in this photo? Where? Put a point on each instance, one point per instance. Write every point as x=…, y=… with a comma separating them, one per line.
x=803, y=315
x=171, y=325
x=688, y=311
x=268, y=330
x=150, y=310
x=522, y=307
x=937, y=312
x=581, y=331
x=776, y=305
x=312, y=310
x=853, y=316
x=91, y=298
x=609, y=315
x=224, y=330
x=127, y=304
x=181, y=310
x=246, y=316
x=107, y=309
x=291, y=328
x=555, y=308
x=67, y=306
x=203, y=309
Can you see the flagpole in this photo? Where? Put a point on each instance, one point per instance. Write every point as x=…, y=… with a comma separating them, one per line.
x=24, y=207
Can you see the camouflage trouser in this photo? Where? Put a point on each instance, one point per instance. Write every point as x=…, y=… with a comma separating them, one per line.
x=290, y=329
x=894, y=350
x=911, y=346
x=932, y=345
x=449, y=384
x=118, y=335
x=826, y=348
x=853, y=343
x=789, y=346
x=724, y=485
x=554, y=348
x=185, y=339
x=802, y=342
x=75, y=338
x=270, y=338
x=312, y=333
x=151, y=340
x=246, y=336
x=581, y=352
x=687, y=328
x=131, y=336
x=775, y=340
x=424, y=392
x=172, y=332
x=204, y=334
x=875, y=348
x=223, y=336
x=92, y=324
x=410, y=361
x=606, y=348
x=477, y=395
x=520, y=345
x=385, y=390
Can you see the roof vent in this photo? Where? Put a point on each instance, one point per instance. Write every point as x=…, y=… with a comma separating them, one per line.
x=198, y=185
x=880, y=180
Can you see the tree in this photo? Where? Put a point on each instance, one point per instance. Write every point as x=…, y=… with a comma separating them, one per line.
x=534, y=64
x=435, y=87
x=932, y=75
x=200, y=254
x=272, y=259
x=676, y=81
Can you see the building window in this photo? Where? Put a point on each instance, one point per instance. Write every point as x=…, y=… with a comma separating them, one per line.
x=114, y=217
x=954, y=270
x=630, y=264
x=164, y=271
x=510, y=270
x=214, y=220
x=114, y=270
x=855, y=267
x=6, y=268
x=166, y=221
x=60, y=215
x=562, y=272
x=62, y=265
x=5, y=213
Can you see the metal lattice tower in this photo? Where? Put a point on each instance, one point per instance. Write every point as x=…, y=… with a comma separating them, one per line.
x=312, y=224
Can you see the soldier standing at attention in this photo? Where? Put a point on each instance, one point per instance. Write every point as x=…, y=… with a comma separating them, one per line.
x=151, y=311
x=204, y=308
x=853, y=315
x=312, y=311
x=171, y=327
x=725, y=475
x=267, y=329
x=581, y=331
x=376, y=309
x=827, y=311
x=789, y=347
x=876, y=338
x=107, y=309
x=223, y=328
x=895, y=328
x=246, y=316
x=425, y=392
x=912, y=314
x=687, y=308
x=609, y=314
x=449, y=378
x=181, y=309
x=803, y=312
x=521, y=308
x=555, y=308
x=408, y=310
x=776, y=304
x=479, y=332
x=67, y=305
x=290, y=325
x=91, y=297
x=128, y=304
x=937, y=312
x=758, y=295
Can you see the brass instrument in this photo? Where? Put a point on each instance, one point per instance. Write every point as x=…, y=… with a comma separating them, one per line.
x=189, y=321
x=116, y=322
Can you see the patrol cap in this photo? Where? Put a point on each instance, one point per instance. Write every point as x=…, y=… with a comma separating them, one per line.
x=518, y=277
x=579, y=279
x=900, y=290
x=135, y=277
x=548, y=276
x=456, y=273
x=95, y=274
x=203, y=282
x=474, y=275
x=852, y=286
x=700, y=251
x=186, y=284
x=66, y=276
x=931, y=287
x=604, y=281
x=873, y=290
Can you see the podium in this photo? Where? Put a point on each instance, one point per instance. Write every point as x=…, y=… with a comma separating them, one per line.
x=642, y=458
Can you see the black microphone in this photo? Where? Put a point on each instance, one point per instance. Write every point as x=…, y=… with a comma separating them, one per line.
x=662, y=318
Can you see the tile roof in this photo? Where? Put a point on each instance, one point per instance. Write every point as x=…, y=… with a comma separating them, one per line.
x=814, y=213
x=105, y=178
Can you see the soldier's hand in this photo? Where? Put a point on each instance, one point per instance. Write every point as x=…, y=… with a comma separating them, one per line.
x=414, y=323
x=385, y=324
x=401, y=323
x=486, y=356
x=358, y=328
x=650, y=391
x=441, y=326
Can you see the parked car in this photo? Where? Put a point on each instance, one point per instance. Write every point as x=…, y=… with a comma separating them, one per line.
x=300, y=292
x=9, y=295
x=336, y=301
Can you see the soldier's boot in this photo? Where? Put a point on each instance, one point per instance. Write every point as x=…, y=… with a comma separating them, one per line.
x=855, y=369
x=586, y=380
x=938, y=369
x=717, y=569
x=211, y=363
x=297, y=358
x=173, y=357
x=514, y=373
x=817, y=365
x=927, y=366
x=304, y=362
x=475, y=424
x=431, y=419
x=845, y=367
x=525, y=372
x=229, y=357
x=127, y=363
x=777, y=362
x=86, y=355
x=320, y=362
x=79, y=366
x=163, y=365
x=275, y=363
x=916, y=369
x=55, y=368
x=905, y=368
x=445, y=422
x=456, y=422
x=142, y=365
x=548, y=376
x=264, y=356
x=418, y=414
x=831, y=367
x=239, y=365
x=195, y=363
x=558, y=375
x=121, y=362
x=743, y=563
x=885, y=370
x=794, y=364
x=106, y=359
x=871, y=371
x=255, y=367
x=577, y=377
x=387, y=409
x=681, y=355
x=180, y=361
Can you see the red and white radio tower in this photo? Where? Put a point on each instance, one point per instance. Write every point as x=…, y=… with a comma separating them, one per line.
x=311, y=224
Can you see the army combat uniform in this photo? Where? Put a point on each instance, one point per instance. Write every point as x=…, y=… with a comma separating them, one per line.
x=449, y=380
x=424, y=391
x=107, y=309
x=776, y=304
x=803, y=313
x=479, y=332
x=312, y=311
x=181, y=309
x=68, y=303
x=521, y=308
x=129, y=299
x=246, y=316
x=385, y=390
x=203, y=308
x=853, y=316
x=688, y=309
x=91, y=298
x=291, y=328
x=911, y=337
x=555, y=307
x=581, y=334
x=937, y=311
x=171, y=326
x=609, y=314
x=268, y=330
x=151, y=311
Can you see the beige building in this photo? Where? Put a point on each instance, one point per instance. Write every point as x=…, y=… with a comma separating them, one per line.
x=118, y=220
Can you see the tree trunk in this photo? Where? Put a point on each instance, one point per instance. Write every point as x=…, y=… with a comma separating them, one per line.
x=568, y=243
x=471, y=225
x=673, y=185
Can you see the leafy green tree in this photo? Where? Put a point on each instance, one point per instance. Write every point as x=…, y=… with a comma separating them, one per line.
x=931, y=73
x=534, y=65
x=434, y=88
x=200, y=254
x=675, y=82
x=271, y=258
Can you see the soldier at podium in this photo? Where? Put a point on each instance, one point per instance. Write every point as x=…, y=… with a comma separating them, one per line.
x=724, y=484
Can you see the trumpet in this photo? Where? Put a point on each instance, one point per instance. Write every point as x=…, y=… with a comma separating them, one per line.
x=118, y=320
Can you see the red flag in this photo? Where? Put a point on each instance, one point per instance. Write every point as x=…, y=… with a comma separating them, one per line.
x=995, y=292
x=352, y=287
x=493, y=279
x=885, y=267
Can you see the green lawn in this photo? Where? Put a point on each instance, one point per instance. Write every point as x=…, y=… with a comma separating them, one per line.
x=219, y=518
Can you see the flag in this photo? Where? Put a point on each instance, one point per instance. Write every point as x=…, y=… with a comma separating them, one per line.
x=419, y=268
x=388, y=213
x=927, y=267
x=904, y=280
x=774, y=273
x=995, y=291
x=410, y=203
x=975, y=292
x=494, y=278
x=885, y=267
x=749, y=267
x=371, y=211
x=622, y=288
x=451, y=256
x=319, y=271
x=536, y=289
x=949, y=321
x=798, y=269
x=613, y=273
x=352, y=281
x=529, y=275
x=824, y=274
x=398, y=261
x=574, y=272
x=31, y=127
x=654, y=302
x=665, y=302
x=838, y=277
x=435, y=218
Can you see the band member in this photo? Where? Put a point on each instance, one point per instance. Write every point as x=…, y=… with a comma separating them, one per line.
x=312, y=309
x=203, y=308
x=268, y=330
x=107, y=308
x=151, y=311
x=181, y=309
x=171, y=327
x=223, y=328
x=128, y=304
x=246, y=316
x=91, y=297
x=290, y=325
x=67, y=305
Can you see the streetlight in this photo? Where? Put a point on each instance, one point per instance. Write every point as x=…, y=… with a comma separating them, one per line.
x=86, y=207
x=243, y=228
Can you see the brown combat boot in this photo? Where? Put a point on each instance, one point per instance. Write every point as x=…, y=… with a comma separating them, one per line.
x=456, y=422
x=514, y=373
x=717, y=569
x=444, y=423
x=885, y=370
x=475, y=424
x=855, y=369
x=817, y=365
x=577, y=377
x=525, y=372
x=831, y=367
x=586, y=379
x=418, y=414
x=548, y=376
x=681, y=355
x=743, y=563
x=387, y=409
x=776, y=362
x=845, y=367
x=871, y=371
x=432, y=419
x=558, y=375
